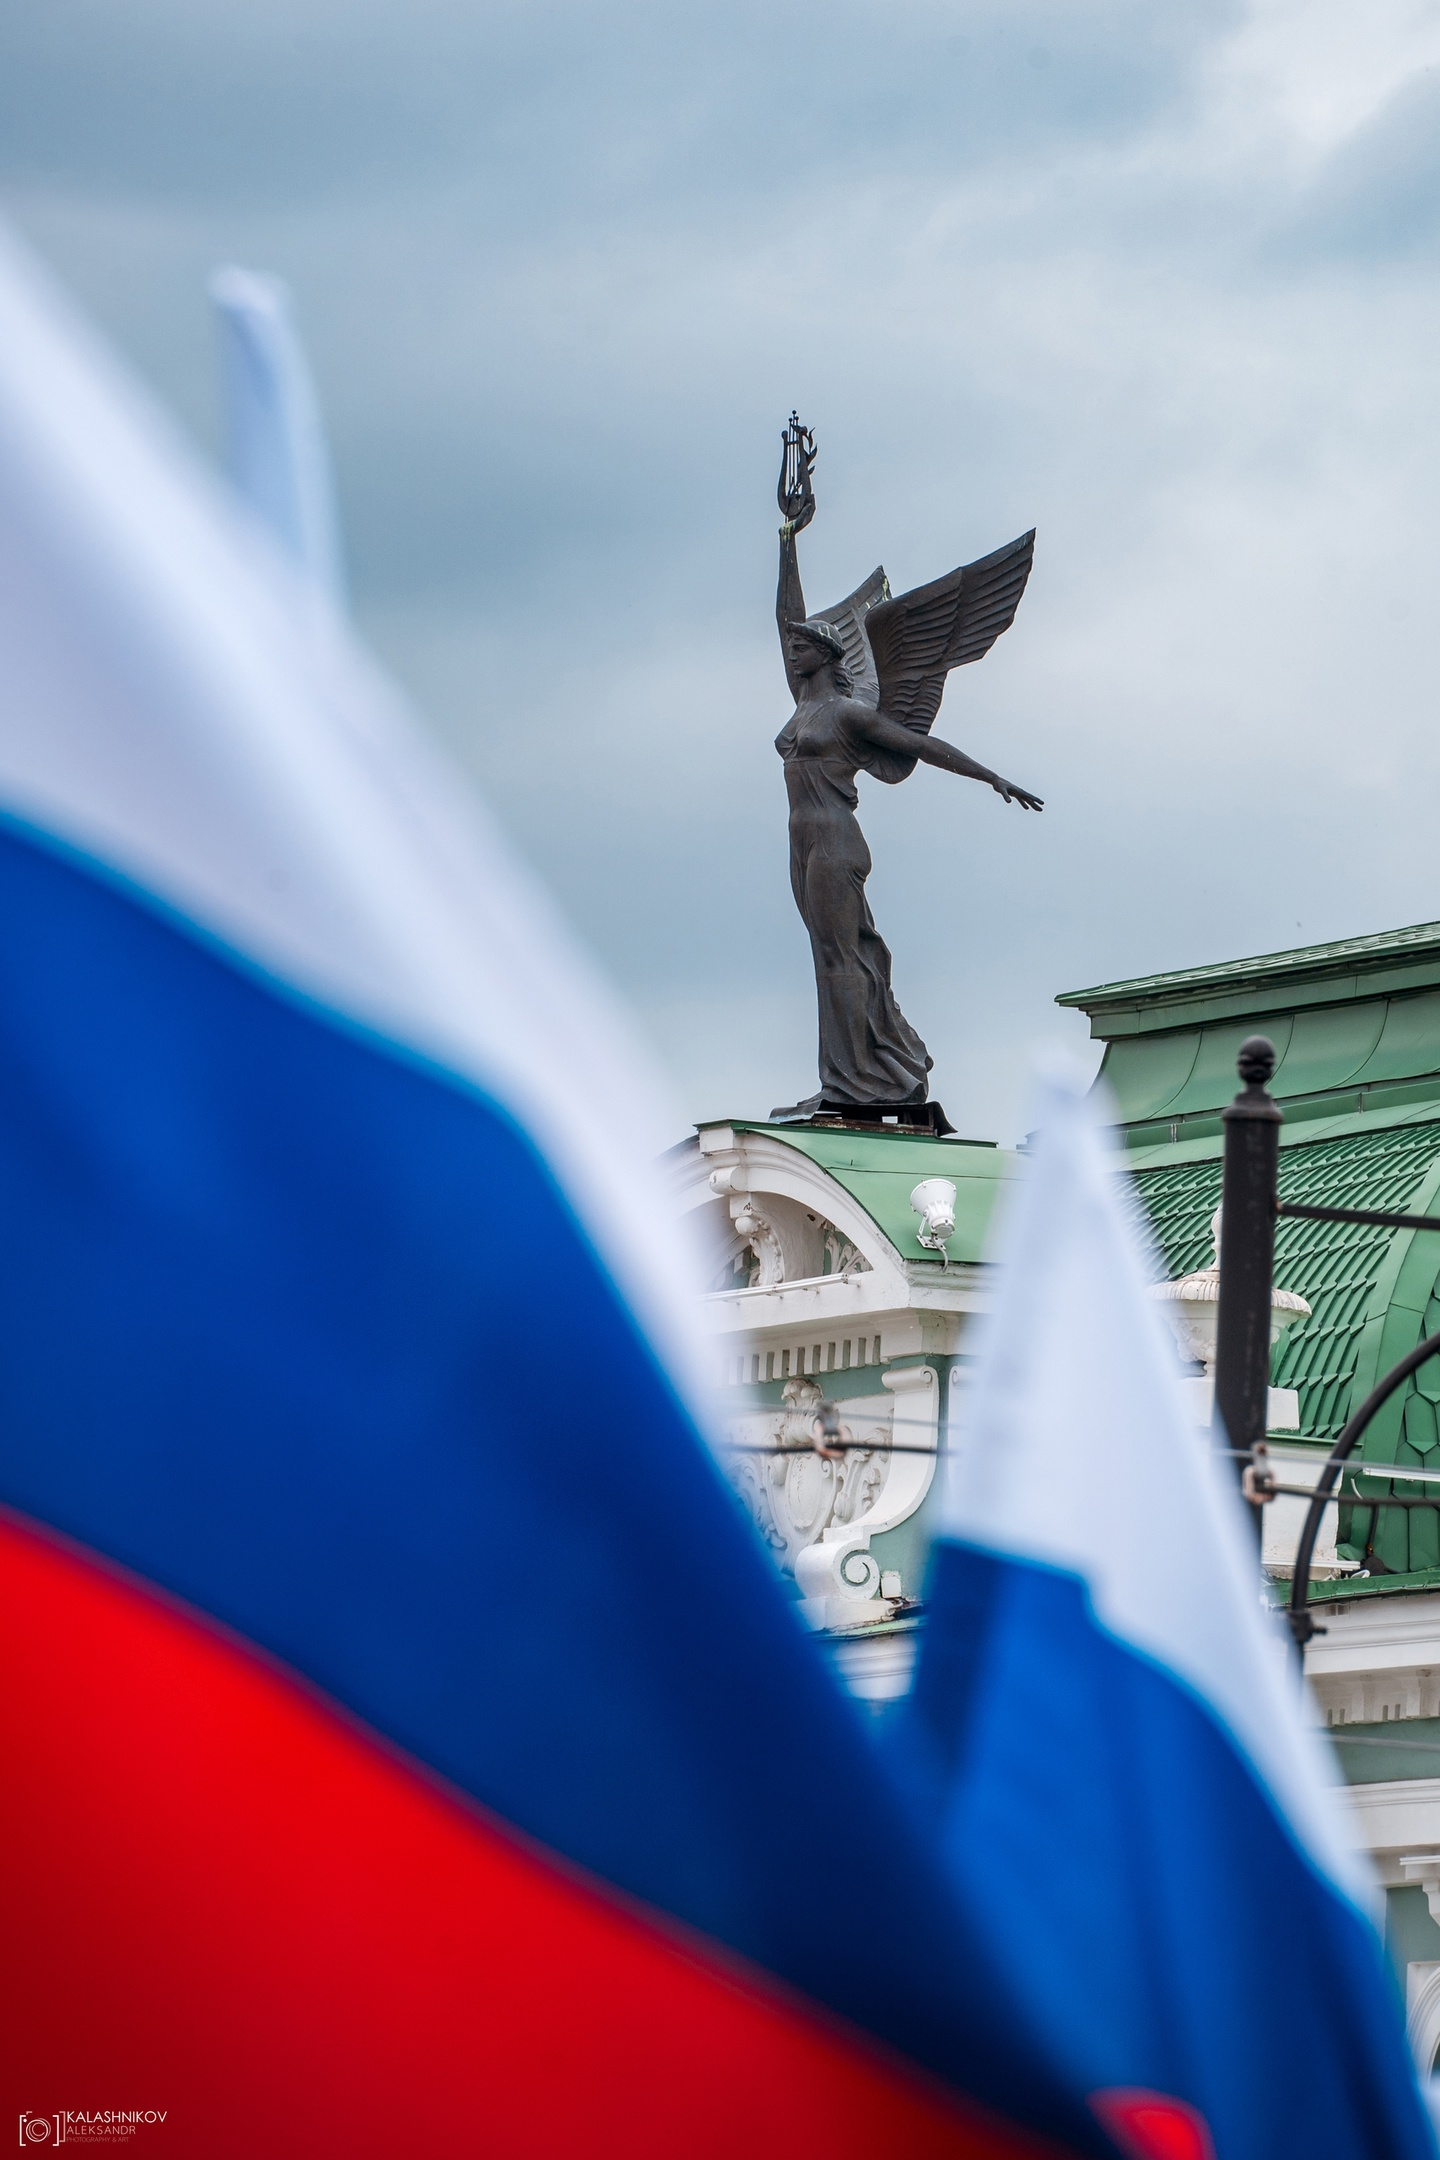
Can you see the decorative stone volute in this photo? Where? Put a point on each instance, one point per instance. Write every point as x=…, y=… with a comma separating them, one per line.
x=818, y=1513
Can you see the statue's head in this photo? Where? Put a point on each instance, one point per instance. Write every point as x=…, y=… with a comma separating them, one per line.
x=816, y=645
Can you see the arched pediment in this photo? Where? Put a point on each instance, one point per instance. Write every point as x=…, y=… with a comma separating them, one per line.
x=759, y=1239
x=768, y=1216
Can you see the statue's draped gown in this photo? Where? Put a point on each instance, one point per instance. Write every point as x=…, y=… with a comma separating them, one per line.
x=869, y=1053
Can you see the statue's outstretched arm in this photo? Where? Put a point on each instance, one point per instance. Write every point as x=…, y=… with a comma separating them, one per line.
x=888, y=734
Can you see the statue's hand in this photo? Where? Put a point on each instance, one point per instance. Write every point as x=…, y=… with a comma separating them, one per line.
x=1011, y=793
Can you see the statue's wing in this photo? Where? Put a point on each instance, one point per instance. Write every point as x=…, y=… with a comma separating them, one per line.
x=848, y=617
x=917, y=639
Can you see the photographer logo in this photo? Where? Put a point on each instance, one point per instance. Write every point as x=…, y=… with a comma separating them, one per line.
x=88, y=2126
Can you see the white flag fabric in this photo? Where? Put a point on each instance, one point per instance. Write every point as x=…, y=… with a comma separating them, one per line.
x=278, y=456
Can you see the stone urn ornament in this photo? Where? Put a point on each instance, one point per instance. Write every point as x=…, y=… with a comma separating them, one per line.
x=1191, y=1306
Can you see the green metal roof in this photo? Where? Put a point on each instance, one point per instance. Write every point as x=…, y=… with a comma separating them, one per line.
x=1308, y=975
x=1374, y=1294
x=1380, y=1054
x=1356, y=1027
x=882, y=1169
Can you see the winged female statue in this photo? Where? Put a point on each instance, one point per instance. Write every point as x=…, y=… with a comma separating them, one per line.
x=867, y=677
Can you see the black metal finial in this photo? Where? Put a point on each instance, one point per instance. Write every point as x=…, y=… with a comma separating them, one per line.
x=1256, y=1060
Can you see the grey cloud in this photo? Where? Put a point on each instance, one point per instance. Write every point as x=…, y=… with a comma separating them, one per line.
x=563, y=271
x=577, y=108
x=1377, y=199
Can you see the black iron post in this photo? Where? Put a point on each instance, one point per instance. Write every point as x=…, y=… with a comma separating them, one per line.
x=1247, y=1258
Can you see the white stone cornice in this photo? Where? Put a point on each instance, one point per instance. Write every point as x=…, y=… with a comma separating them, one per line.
x=1396, y=1819
x=1378, y=1660
x=963, y=1286
x=836, y=1300
x=1423, y=1871
x=1376, y=1633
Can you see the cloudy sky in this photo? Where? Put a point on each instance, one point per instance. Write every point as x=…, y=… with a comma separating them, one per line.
x=1161, y=281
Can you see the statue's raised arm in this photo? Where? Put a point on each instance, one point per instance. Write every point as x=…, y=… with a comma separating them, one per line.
x=796, y=497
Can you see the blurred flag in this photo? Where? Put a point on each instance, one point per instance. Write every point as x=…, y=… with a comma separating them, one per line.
x=408, y=1743
x=275, y=438
x=1130, y=1802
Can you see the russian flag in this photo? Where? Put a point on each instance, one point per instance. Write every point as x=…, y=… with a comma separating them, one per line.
x=1112, y=1744
x=407, y=1745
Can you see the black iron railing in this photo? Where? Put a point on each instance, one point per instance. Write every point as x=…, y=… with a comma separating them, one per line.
x=1251, y=1204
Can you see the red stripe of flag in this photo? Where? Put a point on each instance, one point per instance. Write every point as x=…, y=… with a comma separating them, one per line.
x=222, y=1899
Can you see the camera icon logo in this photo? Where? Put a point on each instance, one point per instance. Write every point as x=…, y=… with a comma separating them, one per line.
x=40, y=2130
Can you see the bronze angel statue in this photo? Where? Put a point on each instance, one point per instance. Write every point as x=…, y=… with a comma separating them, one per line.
x=867, y=677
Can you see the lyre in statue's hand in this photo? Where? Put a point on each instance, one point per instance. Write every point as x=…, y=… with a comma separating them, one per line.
x=795, y=495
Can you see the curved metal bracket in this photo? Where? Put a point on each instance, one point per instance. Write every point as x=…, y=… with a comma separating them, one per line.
x=1302, y=1626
